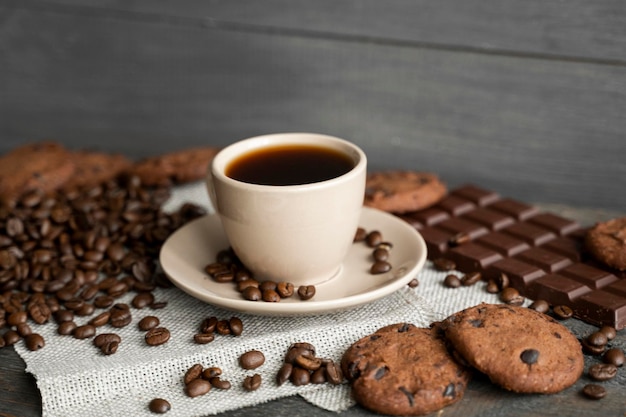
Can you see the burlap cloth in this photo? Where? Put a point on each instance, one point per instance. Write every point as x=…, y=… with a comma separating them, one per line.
x=75, y=379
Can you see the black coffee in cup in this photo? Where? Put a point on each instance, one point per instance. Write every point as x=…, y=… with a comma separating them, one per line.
x=289, y=165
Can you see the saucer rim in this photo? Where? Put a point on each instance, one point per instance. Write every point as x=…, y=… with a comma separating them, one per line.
x=310, y=307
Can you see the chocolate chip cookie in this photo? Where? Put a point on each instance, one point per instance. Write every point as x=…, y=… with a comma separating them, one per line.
x=93, y=168
x=404, y=370
x=403, y=191
x=43, y=166
x=176, y=167
x=518, y=348
x=606, y=241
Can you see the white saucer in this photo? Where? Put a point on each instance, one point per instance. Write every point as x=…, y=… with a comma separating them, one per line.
x=185, y=254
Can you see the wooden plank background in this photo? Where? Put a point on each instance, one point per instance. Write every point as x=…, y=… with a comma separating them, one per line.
x=524, y=96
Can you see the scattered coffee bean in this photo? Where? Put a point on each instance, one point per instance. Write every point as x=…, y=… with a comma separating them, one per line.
x=592, y=349
x=218, y=383
x=66, y=328
x=511, y=296
x=211, y=372
x=284, y=373
x=251, y=359
x=492, y=287
x=602, y=371
x=502, y=280
x=236, y=326
x=414, y=283
x=471, y=278
x=308, y=361
x=208, y=325
x=285, y=289
x=142, y=300
x=252, y=383
x=270, y=296
x=197, y=387
x=452, y=281
x=380, y=254
x=360, y=235
x=101, y=319
x=148, y=323
x=109, y=348
x=11, y=337
x=194, y=372
x=106, y=338
x=159, y=406
x=380, y=267
x=84, y=332
x=300, y=376
x=252, y=294
x=374, y=238
x=223, y=327
x=614, y=356
x=562, y=312
x=597, y=339
x=157, y=336
x=541, y=306
x=444, y=264
x=306, y=292
x=203, y=338
x=334, y=375
x=34, y=341
x=609, y=332
x=23, y=329
x=318, y=376
x=594, y=391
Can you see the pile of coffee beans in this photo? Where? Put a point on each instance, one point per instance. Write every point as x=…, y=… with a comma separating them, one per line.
x=381, y=249
x=71, y=252
x=596, y=344
x=199, y=380
x=227, y=268
x=301, y=367
x=212, y=325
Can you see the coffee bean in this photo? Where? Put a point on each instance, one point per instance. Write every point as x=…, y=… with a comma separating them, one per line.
x=284, y=373
x=318, y=376
x=17, y=317
x=374, y=238
x=251, y=359
x=120, y=315
x=452, y=281
x=380, y=254
x=11, y=337
x=414, y=283
x=244, y=284
x=592, y=349
x=236, y=326
x=252, y=383
x=142, y=300
x=602, y=371
x=380, y=267
x=614, y=356
x=300, y=376
x=203, y=338
x=197, y=387
x=148, y=323
x=609, y=332
x=270, y=296
x=159, y=406
x=157, y=336
x=360, y=235
x=444, y=264
x=104, y=338
x=267, y=285
x=84, y=332
x=511, y=296
x=285, y=289
x=597, y=339
x=34, y=341
x=334, y=375
x=23, y=329
x=540, y=306
x=471, y=278
x=594, y=391
x=109, y=348
x=218, y=383
x=492, y=287
x=223, y=327
x=252, y=294
x=66, y=328
x=306, y=292
x=101, y=319
x=103, y=301
x=208, y=325
x=502, y=280
x=194, y=372
x=308, y=362
x=211, y=372
x=562, y=312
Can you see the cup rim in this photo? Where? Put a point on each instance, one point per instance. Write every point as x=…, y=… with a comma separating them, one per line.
x=224, y=156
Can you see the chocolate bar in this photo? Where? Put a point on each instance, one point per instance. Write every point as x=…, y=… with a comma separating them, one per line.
x=541, y=253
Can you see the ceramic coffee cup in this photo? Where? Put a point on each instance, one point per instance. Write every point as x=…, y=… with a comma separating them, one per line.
x=283, y=227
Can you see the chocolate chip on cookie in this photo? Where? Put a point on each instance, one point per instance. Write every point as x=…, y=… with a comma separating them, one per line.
x=41, y=166
x=518, y=348
x=176, y=167
x=403, y=191
x=404, y=370
x=606, y=241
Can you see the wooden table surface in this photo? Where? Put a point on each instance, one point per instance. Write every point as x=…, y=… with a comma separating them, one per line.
x=19, y=396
